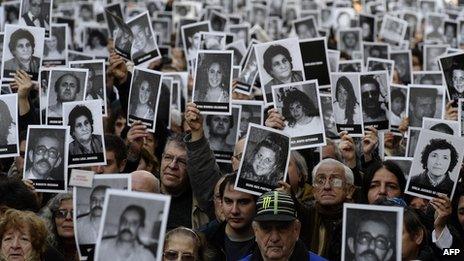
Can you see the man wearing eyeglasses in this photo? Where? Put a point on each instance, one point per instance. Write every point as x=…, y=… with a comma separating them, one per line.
x=373, y=239
x=45, y=154
x=370, y=91
x=35, y=15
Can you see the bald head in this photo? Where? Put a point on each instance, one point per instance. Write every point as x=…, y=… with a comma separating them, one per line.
x=144, y=181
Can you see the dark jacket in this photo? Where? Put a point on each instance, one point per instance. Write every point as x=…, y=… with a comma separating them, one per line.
x=423, y=181
x=299, y=254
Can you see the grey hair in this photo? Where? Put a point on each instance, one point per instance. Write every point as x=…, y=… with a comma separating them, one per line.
x=47, y=213
x=300, y=164
x=348, y=173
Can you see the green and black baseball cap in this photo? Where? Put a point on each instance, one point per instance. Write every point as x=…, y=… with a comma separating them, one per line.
x=275, y=206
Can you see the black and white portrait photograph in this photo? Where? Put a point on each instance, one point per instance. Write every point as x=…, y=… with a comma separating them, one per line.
x=96, y=41
x=316, y=61
x=56, y=46
x=427, y=6
x=451, y=33
x=343, y=16
x=252, y=112
x=144, y=96
x=443, y=126
x=182, y=78
x=393, y=30
x=375, y=50
x=265, y=160
x=111, y=11
x=144, y=47
x=36, y=13
x=222, y=133
x=328, y=117
x=46, y=158
x=258, y=14
x=212, y=41
x=86, y=146
x=350, y=40
x=427, y=77
x=88, y=208
x=299, y=103
x=218, y=21
x=431, y=54
x=64, y=85
x=452, y=67
x=346, y=102
x=191, y=38
x=22, y=50
x=240, y=31
x=350, y=66
x=212, y=88
x=9, y=139
x=367, y=24
x=367, y=224
x=374, y=98
x=279, y=62
x=247, y=75
x=175, y=95
x=96, y=82
x=10, y=13
x=122, y=35
x=403, y=65
x=239, y=48
x=436, y=165
x=398, y=105
x=434, y=25
x=377, y=64
x=163, y=27
x=274, y=28
x=305, y=28
x=133, y=225
x=334, y=58
x=425, y=101
x=412, y=138
x=412, y=18
x=85, y=12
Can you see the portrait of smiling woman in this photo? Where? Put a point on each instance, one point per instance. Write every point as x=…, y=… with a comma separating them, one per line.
x=212, y=84
x=21, y=46
x=81, y=129
x=144, y=101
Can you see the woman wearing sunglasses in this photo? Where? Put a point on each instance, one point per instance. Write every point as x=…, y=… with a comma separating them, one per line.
x=184, y=244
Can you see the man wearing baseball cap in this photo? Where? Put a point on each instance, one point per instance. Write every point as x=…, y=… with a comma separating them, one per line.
x=277, y=229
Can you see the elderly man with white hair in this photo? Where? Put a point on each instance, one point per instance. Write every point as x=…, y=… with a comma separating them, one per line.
x=321, y=224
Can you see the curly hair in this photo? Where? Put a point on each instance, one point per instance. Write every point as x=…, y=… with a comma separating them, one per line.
x=272, y=52
x=18, y=35
x=23, y=221
x=439, y=144
x=138, y=81
x=49, y=214
x=6, y=120
x=273, y=142
x=297, y=96
x=351, y=102
x=76, y=112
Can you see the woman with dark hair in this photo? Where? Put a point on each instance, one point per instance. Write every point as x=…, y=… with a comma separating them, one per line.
x=216, y=90
x=21, y=46
x=54, y=48
x=438, y=159
x=345, y=102
x=143, y=100
x=267, y=163
x=81, y=129
x=414, y=240
x=277, y=62
x=96, y=43
x=383, y=180
x=301, y=114
x=8, y=125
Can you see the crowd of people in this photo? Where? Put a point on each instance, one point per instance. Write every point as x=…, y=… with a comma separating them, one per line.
x=303, y=217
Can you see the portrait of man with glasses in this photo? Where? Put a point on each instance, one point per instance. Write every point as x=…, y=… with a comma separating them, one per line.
x=45, y=157
x=371, y=234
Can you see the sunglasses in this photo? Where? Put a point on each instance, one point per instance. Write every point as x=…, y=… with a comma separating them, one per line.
x=174, y=255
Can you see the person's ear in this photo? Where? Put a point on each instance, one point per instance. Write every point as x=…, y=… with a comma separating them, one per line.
x=419, y=237
x=296, y=228
x=349, y=190
x=350, y=244
x=31, y=155
x=123, y=165
x=389, y=254
x=58, y=161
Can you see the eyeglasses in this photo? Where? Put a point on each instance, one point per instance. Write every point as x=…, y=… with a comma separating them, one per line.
x=174, y=255
x=168, y=158
x=333, y=181
x=63, y=213
x=51, y=152
x=381, y=242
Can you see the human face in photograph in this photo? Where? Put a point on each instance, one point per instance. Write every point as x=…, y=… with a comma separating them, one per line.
x=45, y=156
x=438, y=162
x=397, y=105
x=264, y=162
x=129, y=226
x=17, y=244
x=370, y=95
x=144, y=92
x=220, y=125
x=96, y=202
x=64, y=219
x=23, y=50
x=82, y=129
x=458, y=80
x=350, y=40
x=296, y=110
x=424, y=107
x=281, y=68
x=461, y=211
x=238, y=208
x=384, y=184
x=67, y=88
x=342, y=95
x=140, y=38
x=371, y=242
x=215, y=75
x=35, y=7
x=244, y=120
x=51, y=43
x=366, y=30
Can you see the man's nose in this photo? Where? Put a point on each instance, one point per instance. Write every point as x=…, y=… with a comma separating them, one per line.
x=275, y=236
x=235, y=209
